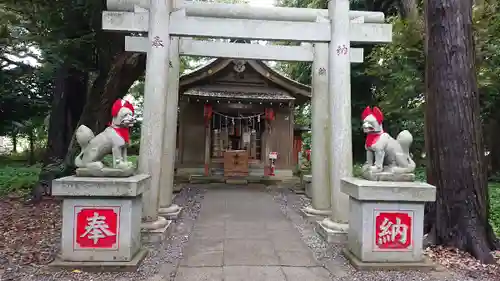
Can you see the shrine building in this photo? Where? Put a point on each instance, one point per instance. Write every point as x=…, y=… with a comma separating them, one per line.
x=233, y=114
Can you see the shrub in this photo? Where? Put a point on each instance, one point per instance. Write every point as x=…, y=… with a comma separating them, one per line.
x=495, y=207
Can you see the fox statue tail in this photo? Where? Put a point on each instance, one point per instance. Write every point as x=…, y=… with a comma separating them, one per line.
x=83, y=136
x=405, y=139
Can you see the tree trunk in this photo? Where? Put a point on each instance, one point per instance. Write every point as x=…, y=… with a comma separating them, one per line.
x=31, y=139
x=408, y=10
x=14, y=141
x=67, y=104
x=456, y=164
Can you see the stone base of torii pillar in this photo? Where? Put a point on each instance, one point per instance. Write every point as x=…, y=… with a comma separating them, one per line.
x=155, y=231
x=171, y=212
x=332, y=232
x=311, y=214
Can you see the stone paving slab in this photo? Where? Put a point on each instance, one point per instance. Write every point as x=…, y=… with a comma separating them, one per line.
x=241, y=234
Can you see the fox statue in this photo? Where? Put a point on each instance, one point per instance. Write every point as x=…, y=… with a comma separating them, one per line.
x=384, y=153
x=113, y=139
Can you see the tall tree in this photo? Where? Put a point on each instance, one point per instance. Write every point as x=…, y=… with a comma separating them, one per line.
x=452, y=109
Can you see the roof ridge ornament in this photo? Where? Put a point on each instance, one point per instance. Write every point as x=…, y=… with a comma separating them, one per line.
x=239, y=65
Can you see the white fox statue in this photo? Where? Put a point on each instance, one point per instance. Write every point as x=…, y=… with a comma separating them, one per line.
x=113, y=140
x=384, y=154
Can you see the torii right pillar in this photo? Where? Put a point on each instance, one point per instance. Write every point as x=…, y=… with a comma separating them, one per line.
x=334, y=228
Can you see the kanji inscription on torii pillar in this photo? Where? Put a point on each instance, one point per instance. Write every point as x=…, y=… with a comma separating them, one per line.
x=96, y=227
x=393, y=231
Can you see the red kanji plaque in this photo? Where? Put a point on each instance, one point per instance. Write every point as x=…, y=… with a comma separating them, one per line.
x=96, y=227
x=393, y=231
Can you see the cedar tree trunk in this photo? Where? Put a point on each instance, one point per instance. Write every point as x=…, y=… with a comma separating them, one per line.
x=67, y=104
x=408, y=10
x=454, y=137
x=14, y=141
x=31, y=139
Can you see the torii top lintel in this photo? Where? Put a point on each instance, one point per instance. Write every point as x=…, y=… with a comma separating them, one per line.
x=244, y=11
x=246, y=22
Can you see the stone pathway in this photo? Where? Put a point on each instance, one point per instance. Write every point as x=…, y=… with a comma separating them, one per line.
x=241, y=234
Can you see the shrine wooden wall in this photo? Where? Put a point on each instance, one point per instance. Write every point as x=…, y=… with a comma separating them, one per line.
x=191, y=135
x=280, y=138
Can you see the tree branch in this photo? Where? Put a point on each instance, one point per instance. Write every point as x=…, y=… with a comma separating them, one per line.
x=6, y=62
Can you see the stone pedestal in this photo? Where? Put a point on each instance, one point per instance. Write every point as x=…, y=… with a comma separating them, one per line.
x=101, y=222
x=386, y=222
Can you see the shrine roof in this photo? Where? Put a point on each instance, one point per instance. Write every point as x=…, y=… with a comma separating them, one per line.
x=247, y=95
x=284, y=87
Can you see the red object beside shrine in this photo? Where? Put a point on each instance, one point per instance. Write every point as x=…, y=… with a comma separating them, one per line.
x=207, y=112
x=297, y=148
x=269, y=113
x=308, y=155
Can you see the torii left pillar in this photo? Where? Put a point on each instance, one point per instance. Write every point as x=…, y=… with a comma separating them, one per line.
x=154, y=227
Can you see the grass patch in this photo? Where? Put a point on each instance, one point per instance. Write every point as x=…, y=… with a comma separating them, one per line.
x=495, y=207
x=18, y=179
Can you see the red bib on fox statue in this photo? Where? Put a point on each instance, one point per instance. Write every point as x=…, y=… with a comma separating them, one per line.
x=120, y=104
x=372, y=137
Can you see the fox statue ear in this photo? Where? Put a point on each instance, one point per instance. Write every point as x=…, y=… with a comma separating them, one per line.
x=116, y=107
x=378, y=114
x=128, y=105
x=366, y=112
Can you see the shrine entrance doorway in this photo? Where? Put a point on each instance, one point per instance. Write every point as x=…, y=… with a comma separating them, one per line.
x=237, y=129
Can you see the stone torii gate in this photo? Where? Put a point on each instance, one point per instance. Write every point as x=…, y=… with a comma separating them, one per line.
x=330, y=30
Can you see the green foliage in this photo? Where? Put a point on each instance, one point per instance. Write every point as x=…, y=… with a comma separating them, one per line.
x=25, y=87
x=23, y=95
x=495, y=207
x=398, y=71
x=18, y=179
x=487, y=43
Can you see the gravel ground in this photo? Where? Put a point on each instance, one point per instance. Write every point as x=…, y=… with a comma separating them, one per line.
x=331, y=257
x=160, y=264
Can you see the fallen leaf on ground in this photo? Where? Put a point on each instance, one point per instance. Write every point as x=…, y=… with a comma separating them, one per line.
x=29, y=235
x=458, y=260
